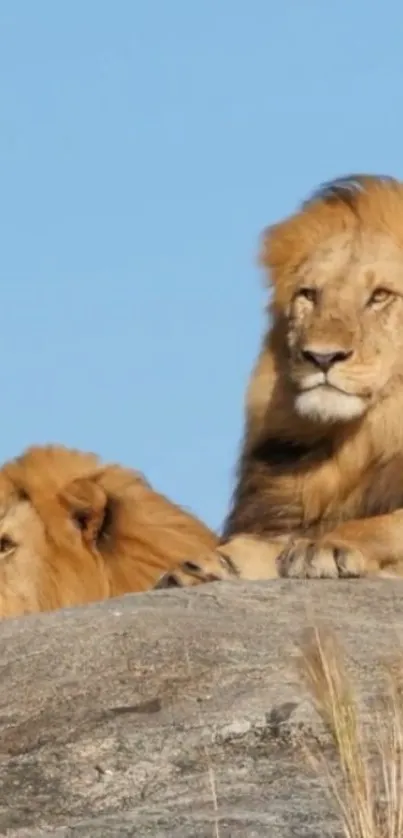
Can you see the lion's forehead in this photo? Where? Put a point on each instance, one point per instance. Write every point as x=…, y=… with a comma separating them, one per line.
x=365, y=255
x=17, y=514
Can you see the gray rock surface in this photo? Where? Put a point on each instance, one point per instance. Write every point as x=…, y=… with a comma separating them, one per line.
x=177, y=713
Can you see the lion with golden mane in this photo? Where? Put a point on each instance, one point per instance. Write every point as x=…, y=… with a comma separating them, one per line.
x=74, y=531
x=319, y=488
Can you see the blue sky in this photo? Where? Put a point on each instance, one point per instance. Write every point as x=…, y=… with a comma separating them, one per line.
x=143, y=148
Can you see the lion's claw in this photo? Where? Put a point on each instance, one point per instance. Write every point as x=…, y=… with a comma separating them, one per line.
x=305, y=559
x=212, y=567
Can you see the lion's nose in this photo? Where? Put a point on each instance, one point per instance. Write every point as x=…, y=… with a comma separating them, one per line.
x=325, y=360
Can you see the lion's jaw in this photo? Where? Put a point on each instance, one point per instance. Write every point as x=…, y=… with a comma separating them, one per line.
x=332, y=396
x=326, y=404
x=348, y=389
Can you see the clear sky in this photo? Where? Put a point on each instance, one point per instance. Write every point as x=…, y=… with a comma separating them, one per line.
x=144, y=145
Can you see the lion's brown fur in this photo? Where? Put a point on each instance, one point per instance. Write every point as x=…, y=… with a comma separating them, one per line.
x=295, y=475
x=83, y=531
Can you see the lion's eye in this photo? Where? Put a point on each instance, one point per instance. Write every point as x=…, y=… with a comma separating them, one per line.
x=6, y=544
x=308, y=294
x=379, y=296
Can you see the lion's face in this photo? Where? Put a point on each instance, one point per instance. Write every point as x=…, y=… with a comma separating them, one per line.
x=344, y=326
x=43, y=567
x=336, y=267
x=21, y=553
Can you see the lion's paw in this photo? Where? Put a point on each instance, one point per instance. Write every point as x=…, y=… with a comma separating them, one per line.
x=306, y=559
x=210, y=567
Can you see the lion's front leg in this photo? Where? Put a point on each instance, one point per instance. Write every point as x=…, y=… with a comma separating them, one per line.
x=367, y=547
x=241, y=557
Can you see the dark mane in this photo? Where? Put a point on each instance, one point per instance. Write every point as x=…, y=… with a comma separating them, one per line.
x=346, y=189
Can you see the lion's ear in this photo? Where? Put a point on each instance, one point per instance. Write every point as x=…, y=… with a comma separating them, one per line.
x=86, y=502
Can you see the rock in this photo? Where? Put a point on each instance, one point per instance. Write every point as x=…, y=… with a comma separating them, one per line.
x=178, y=713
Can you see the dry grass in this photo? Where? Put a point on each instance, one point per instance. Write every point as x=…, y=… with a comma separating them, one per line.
x=368, y=787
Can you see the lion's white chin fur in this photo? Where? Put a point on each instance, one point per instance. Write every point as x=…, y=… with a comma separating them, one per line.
x=325, y=404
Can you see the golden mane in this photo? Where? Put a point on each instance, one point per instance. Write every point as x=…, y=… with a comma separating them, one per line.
x=73, y=530
x=346, y=205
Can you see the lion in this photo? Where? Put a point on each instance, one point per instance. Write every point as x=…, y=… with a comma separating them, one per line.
x=74, y=531
x=319, y=489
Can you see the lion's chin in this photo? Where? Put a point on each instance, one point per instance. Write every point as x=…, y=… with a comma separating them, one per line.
x=326, y=404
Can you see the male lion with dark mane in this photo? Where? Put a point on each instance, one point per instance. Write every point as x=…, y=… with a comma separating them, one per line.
x=320, y=479
x=74, y=531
